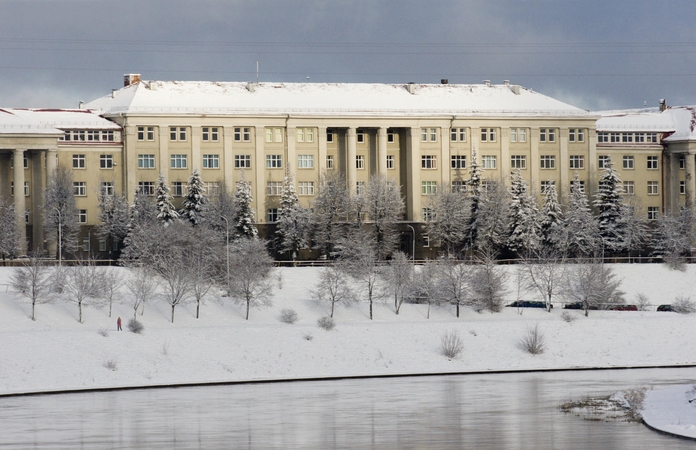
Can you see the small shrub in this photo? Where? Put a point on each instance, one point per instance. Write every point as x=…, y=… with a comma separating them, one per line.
x=632, y=400
x=326, y=323
x=568, y=317
x=308, y=336
x=675, y=261
x=451, y=345
x=288, y=316
x=103, y=332
x=111, y=364
x=642, y=302
x=533, y=342
x=135, y=326
x=683, y=305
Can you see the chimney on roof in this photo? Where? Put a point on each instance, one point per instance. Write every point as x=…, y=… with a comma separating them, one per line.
x=81, y=105
x=444, y=81
x=515, y=88
x=506, y=83
x=487, y=83
x=251, y=87
x=411, y=86
x=131, y=78
x=663, y=104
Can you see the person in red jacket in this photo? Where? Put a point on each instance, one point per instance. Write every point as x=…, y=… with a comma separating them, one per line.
x=118, y=324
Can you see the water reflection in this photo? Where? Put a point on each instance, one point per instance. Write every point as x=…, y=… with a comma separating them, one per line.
x=482, y=412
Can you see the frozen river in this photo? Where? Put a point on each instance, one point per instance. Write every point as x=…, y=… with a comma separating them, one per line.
x=509, y=411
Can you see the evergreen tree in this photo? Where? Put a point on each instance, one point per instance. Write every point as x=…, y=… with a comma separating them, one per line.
x=113, y=214
x=194, y=206
x=492, y=217
x=551, y=217
x=609, y=201
x=580, y=228
x=385, y=208
x=448, y=224
x=330, y=209
x=293, y=220
x=670, y=238
x=244, y=219
x=166, y=213
x=524, y=223
x=9, y=238
x=475, y=196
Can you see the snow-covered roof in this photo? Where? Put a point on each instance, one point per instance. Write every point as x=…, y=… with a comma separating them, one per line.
x=679, y=121
x=338, y=99
x=50, y=121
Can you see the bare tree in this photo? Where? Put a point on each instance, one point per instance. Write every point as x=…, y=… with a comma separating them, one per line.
x=204, y=259
x=450, y=219
x=424, y=286
x=9, y=238
x=84, y=281
x=142, y=286
x=330, y=210
x=60, y=214
x=385, y=208
x=488, y=283
x=333, y=287
x=358, y=258
x=592, y=284
x=32, y=280
x=398, y=276
x=252, y=267
x=112, y=280
x=543, y=272
x=173, y=269
x=113, y=214
x=453, y=281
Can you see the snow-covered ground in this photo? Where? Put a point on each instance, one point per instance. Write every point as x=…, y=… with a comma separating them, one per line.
x=57, y=352
x=672, y=410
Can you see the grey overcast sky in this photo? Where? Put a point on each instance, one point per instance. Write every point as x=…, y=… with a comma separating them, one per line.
x=595, y=54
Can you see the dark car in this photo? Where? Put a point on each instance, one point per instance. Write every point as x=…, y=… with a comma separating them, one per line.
x=579, y=305
x=624, y=308
x=527, y=304
x=665, y=308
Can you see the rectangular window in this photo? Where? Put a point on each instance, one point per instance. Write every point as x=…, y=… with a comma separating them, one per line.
x=210, y=134
x=522, y=135
x=146, y=161
x=547, y=135
x=428, y=134
x=330, y=162
x=93, y=135
x=106, y=188
x=682, y=162
x=652, y=162
x=428, y=162
x=274, y=161
x=79, y=188
x=433, y=134
x=242, y=134
x=177, y=189
x=78, y=161
x=106, y=162
x=424, y=135
x=390, y=162
x=82, y=216
x=141, y=133
x=85, y=245
x=602, y=137
x=427, y=214
x=212, y=188
x=488, y=135
x=682, y=187
x=305, y=161
x=580, y=185
x=547, y=162
x=211, y=161
x=26, y=189
x=489, y=161
x=177, y=134
x=242, y=161
x=305, y=135
x=518, y=162
x=628, y=162
x=603, y=162
x=107, y=135
x=577, y=162
x=329, y=135
x=513, y=134
x=653, y=213
x=306, y=187
x=360, y=137
x=359, y=162
x=459, y=161
x=426, y=240
x=360, y=187
x=428, y=187
x=274, y=187
x=146, y=188
x=545, y=185
x=458, y=135
x=629, y=187
x=576, y=135
x=150, y=133
x=102, y=244
x=391, y=137
x=272, y=215
x=459, y=186
x=178, y=162
x=274, y=135
x=653, y=188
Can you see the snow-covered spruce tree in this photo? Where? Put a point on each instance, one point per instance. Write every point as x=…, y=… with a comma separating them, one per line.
x=113, y=215
x=330, y=209
x=474, y=192
x=385, y=208
x=166, y=213
x=60, y=215
x=9, y=238
x=580, y=235
x=669, y=240
x=244, y=219
x=492, y=217
x=293, y=220
x=636, y=232
x=609, y=201
x=524, y=223
x=551, y=217
x=449, y=222
x=143, y=219
x=195, y=203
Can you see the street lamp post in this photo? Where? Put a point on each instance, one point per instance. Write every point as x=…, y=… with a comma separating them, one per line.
x=227, y=231
x=413, y=243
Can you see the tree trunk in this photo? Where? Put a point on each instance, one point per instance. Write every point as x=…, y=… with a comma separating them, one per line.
x=457, y=309
x=110, y=302
x=247, y=311
x=173, y=306
x=198, y=308
x=79, y=306
x=33, y=304
x=333, y=305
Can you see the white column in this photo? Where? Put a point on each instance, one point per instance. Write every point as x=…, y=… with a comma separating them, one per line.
x=19, y=200
x=445, y=163
x=321, y=164
x=196, y=159
x=505, y=162
x=351, y=146
x=163, y=160
x=564, y=188
x=382, y=151
x=674, y=184
x=258, y=180
x=690, y=180
x=534, y=157
x=413, y=184
x=592, y=163
x=228, y=157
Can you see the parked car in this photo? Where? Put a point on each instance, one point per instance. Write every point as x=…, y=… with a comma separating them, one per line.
x=579, y=305
x=665, y=308
x=527, y=304
x=624, y=308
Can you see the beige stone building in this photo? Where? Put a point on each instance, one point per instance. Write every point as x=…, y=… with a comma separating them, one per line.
x=423, y=137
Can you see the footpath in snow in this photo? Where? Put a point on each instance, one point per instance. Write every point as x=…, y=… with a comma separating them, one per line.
x=56, y=352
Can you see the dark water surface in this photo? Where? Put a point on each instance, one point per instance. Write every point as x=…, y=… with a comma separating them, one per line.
x=510, y=411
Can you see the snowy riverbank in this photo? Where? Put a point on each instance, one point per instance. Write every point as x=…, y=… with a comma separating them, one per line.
x=55, y=352
x=671, y=410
